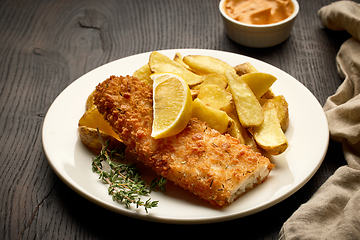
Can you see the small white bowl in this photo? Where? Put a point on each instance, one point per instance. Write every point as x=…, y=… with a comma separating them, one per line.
x=259, y=36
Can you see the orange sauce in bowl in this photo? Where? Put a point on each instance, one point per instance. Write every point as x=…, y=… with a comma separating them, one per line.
x=259, y=11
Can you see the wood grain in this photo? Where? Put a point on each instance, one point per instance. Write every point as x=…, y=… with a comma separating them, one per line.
x=46, y=45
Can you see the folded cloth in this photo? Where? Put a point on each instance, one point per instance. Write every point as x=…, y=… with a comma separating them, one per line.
x=333, y=212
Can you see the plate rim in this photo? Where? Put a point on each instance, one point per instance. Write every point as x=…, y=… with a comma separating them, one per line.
x=77, y=188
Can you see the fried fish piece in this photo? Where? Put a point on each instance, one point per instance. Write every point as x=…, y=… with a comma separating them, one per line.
x=215, y=167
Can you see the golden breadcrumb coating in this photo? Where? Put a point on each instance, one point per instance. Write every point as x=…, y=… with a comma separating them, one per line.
x=199, y=159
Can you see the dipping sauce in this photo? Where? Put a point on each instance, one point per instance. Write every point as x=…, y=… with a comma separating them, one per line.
x=259, y=11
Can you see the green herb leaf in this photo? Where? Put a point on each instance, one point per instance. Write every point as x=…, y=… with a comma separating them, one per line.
x=125, y=183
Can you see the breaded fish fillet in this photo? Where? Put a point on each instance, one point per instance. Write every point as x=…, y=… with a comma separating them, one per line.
x=214, y=167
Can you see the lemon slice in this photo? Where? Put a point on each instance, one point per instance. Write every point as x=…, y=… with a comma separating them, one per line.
x=172, y=104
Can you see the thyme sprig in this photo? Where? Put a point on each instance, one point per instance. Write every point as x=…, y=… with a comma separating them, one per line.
x=125, y=183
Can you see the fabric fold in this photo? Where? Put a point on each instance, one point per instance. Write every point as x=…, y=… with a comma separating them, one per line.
x=333, y=212
x=342, y=15
x=343, y=108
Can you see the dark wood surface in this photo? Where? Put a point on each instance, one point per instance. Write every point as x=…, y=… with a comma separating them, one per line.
x=46, y=45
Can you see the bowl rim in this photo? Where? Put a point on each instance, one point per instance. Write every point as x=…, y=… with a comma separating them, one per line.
x=288, y=19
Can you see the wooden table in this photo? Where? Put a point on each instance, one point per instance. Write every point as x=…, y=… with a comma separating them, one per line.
x=46, y=45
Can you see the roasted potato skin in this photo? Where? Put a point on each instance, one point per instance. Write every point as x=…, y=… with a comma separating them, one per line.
x=90, y=138
x=283, y=111
x=90, y=101
x=245, y=68
x=179, y=59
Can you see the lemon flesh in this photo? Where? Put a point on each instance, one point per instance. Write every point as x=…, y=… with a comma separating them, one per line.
x=172, y=105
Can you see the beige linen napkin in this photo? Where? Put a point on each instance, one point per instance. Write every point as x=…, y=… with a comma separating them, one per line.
x=333, y=212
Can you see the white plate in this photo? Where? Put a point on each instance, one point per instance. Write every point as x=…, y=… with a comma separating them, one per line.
x=308, y=136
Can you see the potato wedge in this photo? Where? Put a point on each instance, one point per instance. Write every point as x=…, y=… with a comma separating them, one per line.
x=213, y=78
x=205, y=64
x=236, y=132
x=160, y=63
x=90, y=138
x=87, y=125
x=258, y=82
x=249, y=140
x=245, y=68
x=282, y=110
x=179, y=59
x=242, y=134
x=93, y=119
x=216, y=119
x=247, y=105
x=90, y=102
x=216, y=97
x=143, y=74
x=269, y=136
